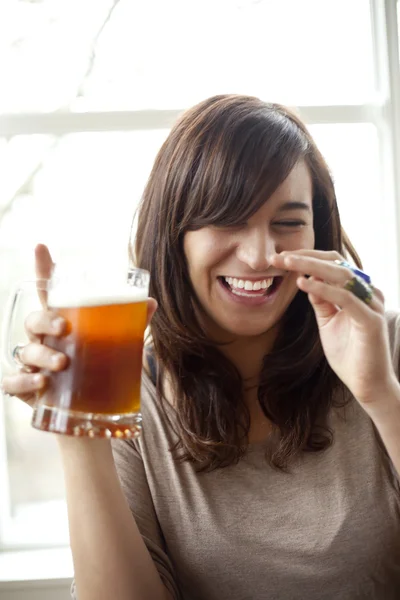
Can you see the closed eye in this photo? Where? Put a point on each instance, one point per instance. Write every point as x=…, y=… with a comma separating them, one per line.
x=290, y=223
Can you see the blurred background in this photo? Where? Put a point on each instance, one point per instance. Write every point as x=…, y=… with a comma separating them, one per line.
x=88, y=92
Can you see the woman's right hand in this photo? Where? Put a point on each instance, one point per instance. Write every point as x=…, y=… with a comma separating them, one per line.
x=35, y=355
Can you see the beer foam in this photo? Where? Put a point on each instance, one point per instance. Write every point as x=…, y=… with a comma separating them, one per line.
x=61, y=297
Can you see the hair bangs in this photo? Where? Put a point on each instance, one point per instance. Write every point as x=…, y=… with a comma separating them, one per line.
x=237, y=169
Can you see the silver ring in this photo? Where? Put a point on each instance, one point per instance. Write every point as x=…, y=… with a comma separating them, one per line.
x=16, y=356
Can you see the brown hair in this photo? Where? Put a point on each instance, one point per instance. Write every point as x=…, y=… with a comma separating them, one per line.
x=220, y=162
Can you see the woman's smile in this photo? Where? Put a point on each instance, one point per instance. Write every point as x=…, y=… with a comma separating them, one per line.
x=249, y=292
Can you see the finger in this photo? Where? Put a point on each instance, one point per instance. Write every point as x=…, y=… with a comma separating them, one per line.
x=44, y=322
x=339, y=297
x=42, y=357
x=325, y=270
x=44, y=268
x=378, y=294
x=23, y=384
x=151, y=309
x=327, y=255
x=324, y=310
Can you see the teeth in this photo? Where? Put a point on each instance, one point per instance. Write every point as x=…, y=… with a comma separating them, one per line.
x=251, y=286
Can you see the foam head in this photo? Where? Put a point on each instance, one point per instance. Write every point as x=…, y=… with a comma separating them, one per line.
x=65, y=297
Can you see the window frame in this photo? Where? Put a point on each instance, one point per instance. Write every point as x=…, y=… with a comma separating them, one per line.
x=383, y=111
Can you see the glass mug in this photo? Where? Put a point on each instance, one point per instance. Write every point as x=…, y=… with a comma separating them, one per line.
x=98, y=394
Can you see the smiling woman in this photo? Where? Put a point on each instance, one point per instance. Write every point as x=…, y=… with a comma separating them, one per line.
x=239, y=181
x=79, y=161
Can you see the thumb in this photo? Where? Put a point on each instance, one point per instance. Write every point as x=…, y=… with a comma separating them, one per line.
x=151, y=309
x=43, y=268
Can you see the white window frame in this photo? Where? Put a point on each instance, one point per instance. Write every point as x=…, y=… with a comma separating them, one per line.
x=383, y=111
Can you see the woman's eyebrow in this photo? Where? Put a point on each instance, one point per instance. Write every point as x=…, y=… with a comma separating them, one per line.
x=294, y=206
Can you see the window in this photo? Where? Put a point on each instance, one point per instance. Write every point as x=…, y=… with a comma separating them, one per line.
x=87, y=99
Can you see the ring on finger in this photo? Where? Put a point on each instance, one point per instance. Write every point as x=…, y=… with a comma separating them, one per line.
x=16, y=355
x=360, y=289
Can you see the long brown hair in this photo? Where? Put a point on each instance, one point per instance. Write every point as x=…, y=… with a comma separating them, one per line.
x=220, y=162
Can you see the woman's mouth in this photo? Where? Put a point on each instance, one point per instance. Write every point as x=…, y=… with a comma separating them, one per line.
x=250, y=292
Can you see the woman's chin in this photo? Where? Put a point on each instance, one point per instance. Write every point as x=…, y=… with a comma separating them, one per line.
x=245, y=328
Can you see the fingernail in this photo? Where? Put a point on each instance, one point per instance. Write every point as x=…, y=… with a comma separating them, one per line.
x=56, y=359
x=57, y=325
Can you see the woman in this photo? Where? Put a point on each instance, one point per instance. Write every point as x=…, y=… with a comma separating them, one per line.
x=268, y=464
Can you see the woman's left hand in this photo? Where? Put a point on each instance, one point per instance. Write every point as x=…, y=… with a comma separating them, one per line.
x=353, y=333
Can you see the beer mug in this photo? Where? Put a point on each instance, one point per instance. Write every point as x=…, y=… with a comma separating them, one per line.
x=98, y=394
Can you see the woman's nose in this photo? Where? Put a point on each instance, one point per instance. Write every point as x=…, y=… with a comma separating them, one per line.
x=255, y=250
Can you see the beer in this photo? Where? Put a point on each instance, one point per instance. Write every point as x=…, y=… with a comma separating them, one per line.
x=99, y=392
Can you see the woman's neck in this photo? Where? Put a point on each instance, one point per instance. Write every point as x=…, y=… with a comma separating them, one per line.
x=247, y=355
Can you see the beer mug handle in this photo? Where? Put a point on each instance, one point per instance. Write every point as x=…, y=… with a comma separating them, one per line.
x=8, y=325
x=11, y=317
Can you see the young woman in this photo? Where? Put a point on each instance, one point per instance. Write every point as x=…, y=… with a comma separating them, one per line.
x=269, y=459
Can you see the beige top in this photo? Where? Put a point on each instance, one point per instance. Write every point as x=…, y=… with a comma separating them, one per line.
x=329, y=530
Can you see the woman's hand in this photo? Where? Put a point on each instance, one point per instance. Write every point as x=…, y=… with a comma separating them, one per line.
x=35, y=356
x=354, y=334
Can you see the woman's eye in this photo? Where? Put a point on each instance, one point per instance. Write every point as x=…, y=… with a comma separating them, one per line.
x=290, y=223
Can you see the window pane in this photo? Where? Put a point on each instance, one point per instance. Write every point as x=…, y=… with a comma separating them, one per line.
x=20, y=157
x=45, y=48
x=352, y=153
x=157, y=54
x=79, y=199
x=85, y=183
x=398, y=23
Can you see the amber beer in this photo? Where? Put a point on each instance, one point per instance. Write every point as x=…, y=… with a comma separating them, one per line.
x=99, y=392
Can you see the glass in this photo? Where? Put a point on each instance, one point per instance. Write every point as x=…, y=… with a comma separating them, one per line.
x=91, y=173
x=98, y=394
x=158, y=55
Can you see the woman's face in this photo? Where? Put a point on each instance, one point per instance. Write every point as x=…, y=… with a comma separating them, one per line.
x=240, y=292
